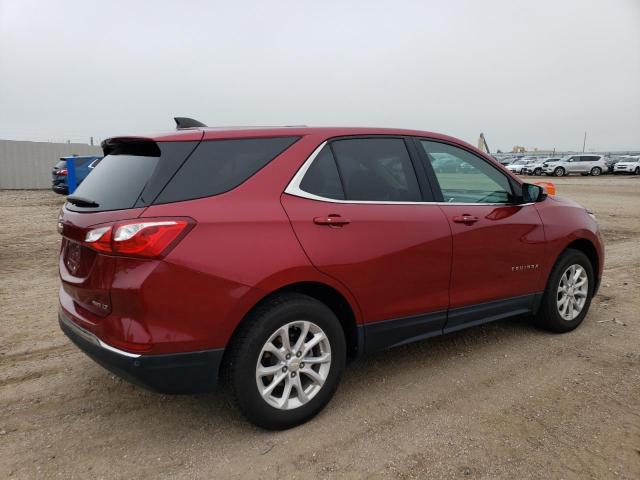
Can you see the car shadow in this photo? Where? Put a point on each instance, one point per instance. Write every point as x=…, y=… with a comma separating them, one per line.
x=215, y=409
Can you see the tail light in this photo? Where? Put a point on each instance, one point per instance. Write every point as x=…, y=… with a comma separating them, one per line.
x=62, y=172
x=99, y=239
x=149, y=239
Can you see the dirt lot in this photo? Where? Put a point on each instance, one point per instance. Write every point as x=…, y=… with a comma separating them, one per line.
x=499, y=401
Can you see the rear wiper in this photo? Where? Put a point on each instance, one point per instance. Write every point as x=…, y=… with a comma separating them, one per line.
x=82, y=202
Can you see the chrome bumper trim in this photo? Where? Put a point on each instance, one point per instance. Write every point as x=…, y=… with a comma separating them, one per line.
x=90, y=337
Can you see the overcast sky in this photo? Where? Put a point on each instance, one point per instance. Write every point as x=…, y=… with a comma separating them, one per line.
x=536, y=73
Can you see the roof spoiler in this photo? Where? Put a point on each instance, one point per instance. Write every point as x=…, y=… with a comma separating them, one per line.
x=185, y=122
x=137, y=146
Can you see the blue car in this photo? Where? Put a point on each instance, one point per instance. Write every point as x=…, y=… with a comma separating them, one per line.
x=84, y=164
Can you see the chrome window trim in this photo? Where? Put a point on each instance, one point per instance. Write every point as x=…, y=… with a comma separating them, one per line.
x=90, y=337
x=293, y=188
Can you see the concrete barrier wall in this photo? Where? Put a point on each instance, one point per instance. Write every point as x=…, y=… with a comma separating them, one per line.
x=29, y=164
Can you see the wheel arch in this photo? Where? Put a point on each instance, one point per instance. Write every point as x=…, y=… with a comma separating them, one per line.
x=332, y=298
x=587, y=247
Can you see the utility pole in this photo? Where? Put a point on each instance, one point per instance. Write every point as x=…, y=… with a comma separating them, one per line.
x=584, y=142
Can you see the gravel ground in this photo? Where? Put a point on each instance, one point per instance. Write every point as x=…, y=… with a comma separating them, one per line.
x=502, y=400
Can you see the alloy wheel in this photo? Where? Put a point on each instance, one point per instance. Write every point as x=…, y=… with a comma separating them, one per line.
x=572, y=292
x=293, y=365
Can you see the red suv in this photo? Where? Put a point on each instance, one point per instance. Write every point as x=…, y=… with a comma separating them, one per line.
x=268, y=258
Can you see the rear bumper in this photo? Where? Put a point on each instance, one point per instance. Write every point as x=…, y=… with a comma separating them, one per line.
x=188, y=372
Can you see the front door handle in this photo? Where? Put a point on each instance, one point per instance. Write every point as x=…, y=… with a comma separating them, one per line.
x=335, y=220
x=466, y=219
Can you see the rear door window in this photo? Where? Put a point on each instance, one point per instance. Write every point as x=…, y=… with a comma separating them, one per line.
x=376, y=169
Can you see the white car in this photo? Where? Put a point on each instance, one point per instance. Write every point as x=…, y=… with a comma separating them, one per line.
x=537, y=167
x=584, y=164
x=518, y=165
x=628, y=165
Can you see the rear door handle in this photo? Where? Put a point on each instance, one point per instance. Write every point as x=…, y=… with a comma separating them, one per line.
x=336, y=220
x=466, y=219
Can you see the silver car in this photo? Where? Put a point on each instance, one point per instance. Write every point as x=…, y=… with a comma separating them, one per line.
x=584, y=164
x=627, y=165
x=518, y=165
x=537, y=167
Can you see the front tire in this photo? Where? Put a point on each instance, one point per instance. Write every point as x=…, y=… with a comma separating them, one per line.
x=285, y=362
x=537, y=172
x=559, y=172
x=568, y=294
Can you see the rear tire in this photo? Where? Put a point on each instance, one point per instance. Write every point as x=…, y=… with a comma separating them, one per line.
x=250, y=354
x=551, y=315
x=537, y=172
x=559, y=172
x=596, y=171
x=636, y=171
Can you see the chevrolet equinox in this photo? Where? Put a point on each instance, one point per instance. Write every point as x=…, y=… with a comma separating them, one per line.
x=266, y=259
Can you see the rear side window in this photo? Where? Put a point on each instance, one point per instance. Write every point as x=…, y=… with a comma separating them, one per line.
x=322, y=178
x=218, y=166
x=376, y=169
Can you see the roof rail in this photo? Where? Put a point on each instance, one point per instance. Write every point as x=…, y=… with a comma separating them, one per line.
x=185, y=122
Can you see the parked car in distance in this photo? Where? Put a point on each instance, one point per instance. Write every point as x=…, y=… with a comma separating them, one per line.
x=445, y=163
x=506, y=160
x=271, y=257
x=84, y=164
x=611, y=162
x=518, y=165
x=585, y=164
x=628, y=164
x=537, y=166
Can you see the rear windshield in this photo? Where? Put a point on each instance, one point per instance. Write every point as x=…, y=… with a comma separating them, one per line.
x=174, y=171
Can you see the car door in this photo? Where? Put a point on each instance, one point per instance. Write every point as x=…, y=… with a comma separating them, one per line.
x=588, y=162
x=571, y=164
x=362, y=217
x=497, y=245
x=580, y=164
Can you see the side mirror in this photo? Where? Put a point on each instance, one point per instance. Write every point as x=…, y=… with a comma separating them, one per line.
x=533, y=193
